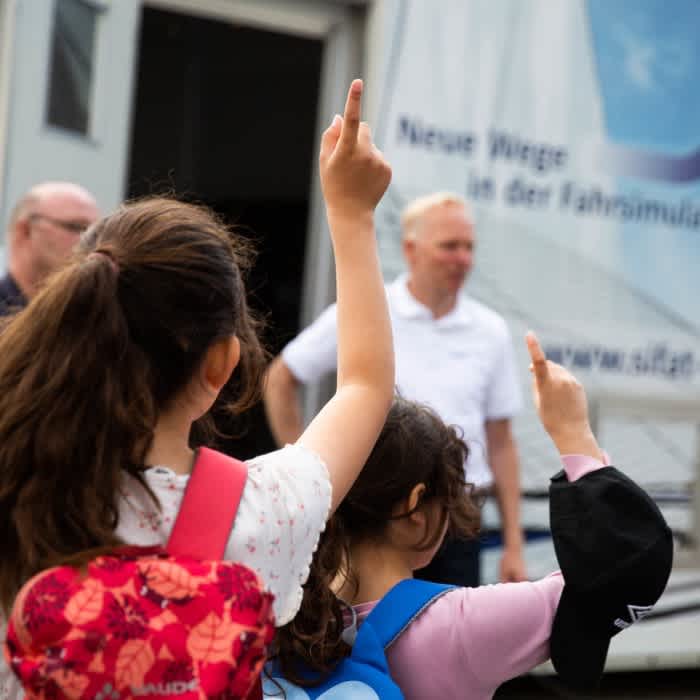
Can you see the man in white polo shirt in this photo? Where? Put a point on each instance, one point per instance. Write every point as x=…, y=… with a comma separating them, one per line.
x=452, y=353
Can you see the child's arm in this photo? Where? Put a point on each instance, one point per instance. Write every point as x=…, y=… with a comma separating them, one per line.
x=486, y=635
x=354, y=176
x=561, y=404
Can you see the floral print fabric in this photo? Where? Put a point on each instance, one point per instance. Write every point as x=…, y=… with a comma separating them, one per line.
x=283, y=510
x=137, y=626
x=282, y=513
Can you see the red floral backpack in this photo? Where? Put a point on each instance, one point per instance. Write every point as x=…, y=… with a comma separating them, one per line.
x=151, y=622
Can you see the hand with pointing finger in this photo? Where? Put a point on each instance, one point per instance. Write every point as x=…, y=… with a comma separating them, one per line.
x=561, y=404
x=354, y=174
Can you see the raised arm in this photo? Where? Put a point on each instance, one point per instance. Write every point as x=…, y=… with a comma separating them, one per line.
x=354, y=176
x=561, y=405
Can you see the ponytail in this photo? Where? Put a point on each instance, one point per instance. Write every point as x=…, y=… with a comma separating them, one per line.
x=69, y=422
x=87, y=369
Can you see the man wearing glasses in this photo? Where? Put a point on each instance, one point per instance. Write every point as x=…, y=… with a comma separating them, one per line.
x=44, y=227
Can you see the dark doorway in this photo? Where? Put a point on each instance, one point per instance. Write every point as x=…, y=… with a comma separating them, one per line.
x=226, y=115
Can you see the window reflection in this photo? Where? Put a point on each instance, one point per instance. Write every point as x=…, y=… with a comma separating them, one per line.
x=72, y=61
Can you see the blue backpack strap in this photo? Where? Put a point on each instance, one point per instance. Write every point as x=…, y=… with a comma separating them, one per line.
x=400, y=606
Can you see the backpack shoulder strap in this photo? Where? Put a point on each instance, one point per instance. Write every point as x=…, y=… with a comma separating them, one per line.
x=400, y=606
x=208, y=511
x=209, y=506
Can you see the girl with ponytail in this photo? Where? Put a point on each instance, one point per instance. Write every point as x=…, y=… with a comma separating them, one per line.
x=107, y=373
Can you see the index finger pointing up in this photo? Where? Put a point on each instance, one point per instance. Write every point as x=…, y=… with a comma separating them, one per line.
x=351, y=118
x=539, y=361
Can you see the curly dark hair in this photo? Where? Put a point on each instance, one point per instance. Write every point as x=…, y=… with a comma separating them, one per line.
x=414, y=447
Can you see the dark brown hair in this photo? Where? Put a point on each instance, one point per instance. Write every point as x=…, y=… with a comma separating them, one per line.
x=414, y=447
x=89, y=365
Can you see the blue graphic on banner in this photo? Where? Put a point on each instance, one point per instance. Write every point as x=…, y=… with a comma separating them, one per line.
x=648, y=59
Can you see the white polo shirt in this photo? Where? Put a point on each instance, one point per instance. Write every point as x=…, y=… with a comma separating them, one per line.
x=461, y=365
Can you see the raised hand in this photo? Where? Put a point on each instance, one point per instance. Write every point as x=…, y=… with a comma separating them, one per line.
x=354, y=173
x=354, y=176
x=561, y=404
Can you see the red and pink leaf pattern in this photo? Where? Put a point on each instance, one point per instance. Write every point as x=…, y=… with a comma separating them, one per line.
x=212, y=640
x=85, y=605
x=140, y=621
x=162, y=620
x=72, y=684
x=171, y=580
x=97, y=665
x=133, y=662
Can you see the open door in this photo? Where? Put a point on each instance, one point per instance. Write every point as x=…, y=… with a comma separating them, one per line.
x=69, y=95
x=66, y=98
x=229, y=101
x=338, y=27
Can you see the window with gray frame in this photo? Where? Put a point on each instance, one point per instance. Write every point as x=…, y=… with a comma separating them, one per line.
x=71, y=65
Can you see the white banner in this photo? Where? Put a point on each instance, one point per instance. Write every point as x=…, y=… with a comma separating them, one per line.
x=573, y=128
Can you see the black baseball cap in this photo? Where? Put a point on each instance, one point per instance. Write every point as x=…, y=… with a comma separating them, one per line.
x=615, y=552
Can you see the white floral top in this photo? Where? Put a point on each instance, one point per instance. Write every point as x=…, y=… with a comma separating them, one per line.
x=283, y=510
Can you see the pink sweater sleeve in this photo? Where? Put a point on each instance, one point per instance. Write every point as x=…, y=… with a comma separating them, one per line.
x=577, y=466
x=484, y=635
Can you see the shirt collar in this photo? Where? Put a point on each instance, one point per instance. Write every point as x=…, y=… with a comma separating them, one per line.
x=10, y=293
x=407, y=306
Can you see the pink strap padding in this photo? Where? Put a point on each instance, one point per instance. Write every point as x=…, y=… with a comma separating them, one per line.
x=204, y=522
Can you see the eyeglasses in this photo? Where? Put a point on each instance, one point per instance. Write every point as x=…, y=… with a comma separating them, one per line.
x=76, y=226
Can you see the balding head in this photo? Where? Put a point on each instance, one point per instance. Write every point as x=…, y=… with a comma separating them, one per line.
x=64, y=196
x=438, y=244
x=44, y=228
x=415, y=213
